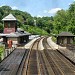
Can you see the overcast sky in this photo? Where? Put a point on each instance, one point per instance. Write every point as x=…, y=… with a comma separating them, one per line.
x=38, y=7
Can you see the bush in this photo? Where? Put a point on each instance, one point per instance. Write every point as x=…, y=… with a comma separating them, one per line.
x=1, y=50
x=54, y=39
x=34, y=30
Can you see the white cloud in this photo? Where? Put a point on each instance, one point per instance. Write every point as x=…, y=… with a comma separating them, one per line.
x=52, y=11
x=69, y=3
x=14, y=7
x=39, y=16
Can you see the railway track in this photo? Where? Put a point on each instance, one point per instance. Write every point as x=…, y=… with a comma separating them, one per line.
x=22, y=62
x=59, y=64
x=32, y=61
x=45, y=66
x=36, y=62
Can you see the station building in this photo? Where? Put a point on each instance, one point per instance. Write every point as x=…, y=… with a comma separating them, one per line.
x=11, y=32
x=65, y=38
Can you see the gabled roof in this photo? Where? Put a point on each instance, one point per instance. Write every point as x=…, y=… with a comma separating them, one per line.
x=21, y=30
x=10, y=17
x=17, y=34
x=65, y=34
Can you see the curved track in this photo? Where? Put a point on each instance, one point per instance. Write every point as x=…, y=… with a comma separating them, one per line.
x=36, y=62
x=33, y=62
x=59, y=64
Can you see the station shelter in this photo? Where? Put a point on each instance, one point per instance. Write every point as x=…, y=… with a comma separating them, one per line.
x=12, y=32
x=65, y=38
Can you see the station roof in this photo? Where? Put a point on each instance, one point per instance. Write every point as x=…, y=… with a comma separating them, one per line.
x=9, y=17
x=20, y=32
x=16, y=34
x=65, y=34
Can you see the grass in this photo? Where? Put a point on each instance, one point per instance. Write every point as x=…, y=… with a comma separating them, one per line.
x=1, y=51
x=34, y=30
x=54, y=39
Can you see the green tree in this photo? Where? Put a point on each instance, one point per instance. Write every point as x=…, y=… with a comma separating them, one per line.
x=60, y=20
x=71, y=17
x=1, y=27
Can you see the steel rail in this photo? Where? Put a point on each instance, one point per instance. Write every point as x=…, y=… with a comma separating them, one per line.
x=63, y=64
x=25, y=69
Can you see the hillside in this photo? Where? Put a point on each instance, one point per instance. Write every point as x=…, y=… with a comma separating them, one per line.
x=24, y=20
x=63, y=20
x=34, y=30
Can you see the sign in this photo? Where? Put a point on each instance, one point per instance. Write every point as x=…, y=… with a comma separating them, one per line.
x=9, y=30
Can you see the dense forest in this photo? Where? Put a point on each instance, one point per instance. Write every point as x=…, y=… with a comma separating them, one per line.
x=63, y=20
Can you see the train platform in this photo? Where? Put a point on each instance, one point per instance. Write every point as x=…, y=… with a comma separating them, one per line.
x=50, y=42
x=40, y=57
x=10, y=65
x=64, y=50
x=68, y=53
x=28, y=45
x=53, y=45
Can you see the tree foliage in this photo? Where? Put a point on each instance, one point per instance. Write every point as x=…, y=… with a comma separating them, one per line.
x=64, y=20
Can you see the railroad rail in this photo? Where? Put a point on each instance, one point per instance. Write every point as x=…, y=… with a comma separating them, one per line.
x=46, y=68
x=32, y=61
x=36, y=62
x=59, y=64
